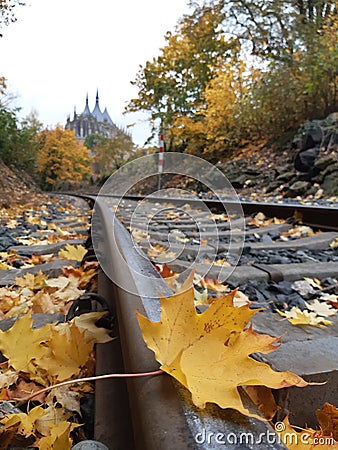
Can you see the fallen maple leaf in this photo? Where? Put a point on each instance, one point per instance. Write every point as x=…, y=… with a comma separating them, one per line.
x=21, y=345
x=321, y=308
x=23, y=424
x=213, y=285
x=298, y=317
x=23, y=389
x=328, y=420
x=305, y=439
x=53, y=352
x=264, y=399
x=66, y=353
x=59, y=438
x=73, y=252
x=52, y=416
x=8, y=377
x=209, y=353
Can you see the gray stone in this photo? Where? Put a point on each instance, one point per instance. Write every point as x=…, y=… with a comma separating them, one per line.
x=285, y=177
x=90, y=445
x=325, y=161
x=298, y=188
x=330, y=184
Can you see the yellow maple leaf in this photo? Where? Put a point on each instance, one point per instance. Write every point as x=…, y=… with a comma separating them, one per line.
x=25, y=424
x=209, y=353
x=22, y=345
x=31, y=281
x=67, y=352
x=59, y=438
x=49, y=353
x=72, y=252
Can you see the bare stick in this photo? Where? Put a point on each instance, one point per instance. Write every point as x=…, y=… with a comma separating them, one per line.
x=21, y=401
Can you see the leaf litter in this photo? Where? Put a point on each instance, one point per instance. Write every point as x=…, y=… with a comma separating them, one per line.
x=54, y=352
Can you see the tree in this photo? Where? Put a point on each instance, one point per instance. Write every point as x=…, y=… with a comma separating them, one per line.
x=62, y=161
x=109, y=154
x=173, y=84
x=235, y=68
x=29, y=143
x=9, y=135
x=7, y=12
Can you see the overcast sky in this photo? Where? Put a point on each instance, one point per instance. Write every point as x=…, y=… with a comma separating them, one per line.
x=58, y=50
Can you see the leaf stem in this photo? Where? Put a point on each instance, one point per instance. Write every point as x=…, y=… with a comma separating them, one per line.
x=82, y=380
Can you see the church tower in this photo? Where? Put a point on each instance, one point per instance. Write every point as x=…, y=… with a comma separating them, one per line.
x=94, y=122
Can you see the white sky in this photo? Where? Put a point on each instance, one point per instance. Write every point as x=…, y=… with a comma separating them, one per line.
x=59, y=50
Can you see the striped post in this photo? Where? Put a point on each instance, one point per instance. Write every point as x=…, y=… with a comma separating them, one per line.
x=160, y=161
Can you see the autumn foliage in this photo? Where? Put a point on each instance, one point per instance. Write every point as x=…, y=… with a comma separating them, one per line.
x=237, y=69
x=62, y=160
x=209, y=353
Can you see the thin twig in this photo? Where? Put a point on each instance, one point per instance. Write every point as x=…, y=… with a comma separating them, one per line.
x=21, y=401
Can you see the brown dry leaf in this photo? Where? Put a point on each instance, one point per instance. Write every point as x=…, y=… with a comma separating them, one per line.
x=42, y=303
x=165, y=271
x=8, y=377
x=264, y=399
x=83, y=274
x=307, y=439
x=213, y=285
x=298, y=232
x=53, y=416
x=328, y=420
x=63, y=395
x=139, y=235
x=260, y=220
x=209, y=353
x=156, y=250
x=9, y=299
x=24, y=389
x=64, y=288
x=86, y=324
x=73, y=252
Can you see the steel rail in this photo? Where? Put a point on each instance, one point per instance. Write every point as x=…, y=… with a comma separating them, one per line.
x=156, y=412
x=159, y=413
x=317, y=216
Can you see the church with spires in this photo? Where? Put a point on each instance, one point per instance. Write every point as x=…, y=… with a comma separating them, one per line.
x=95, y=122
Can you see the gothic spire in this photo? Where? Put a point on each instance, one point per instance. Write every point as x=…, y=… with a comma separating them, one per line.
x=96, y=111
x=86, y=110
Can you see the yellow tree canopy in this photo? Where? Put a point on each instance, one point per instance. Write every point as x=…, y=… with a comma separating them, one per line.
x=62, y=159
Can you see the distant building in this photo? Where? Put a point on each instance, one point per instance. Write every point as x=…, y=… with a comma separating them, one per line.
x=95, y=122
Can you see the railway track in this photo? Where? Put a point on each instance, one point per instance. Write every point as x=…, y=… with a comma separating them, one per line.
x=135, y=238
